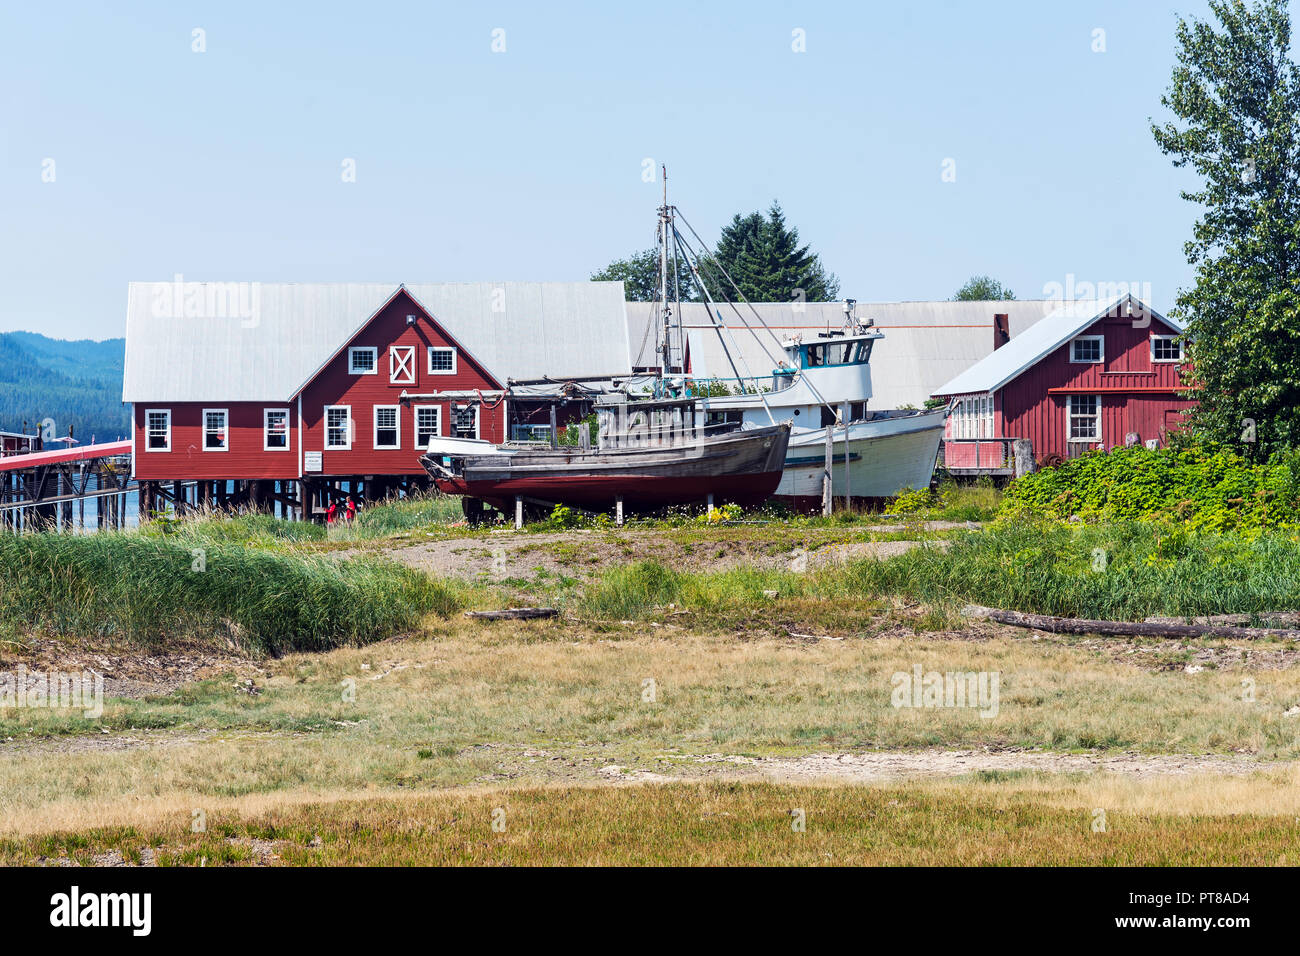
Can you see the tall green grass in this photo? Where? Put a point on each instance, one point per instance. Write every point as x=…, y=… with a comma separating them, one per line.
x=213, y=527
x=147, y=589
x=398, y=515
x=1122, y=572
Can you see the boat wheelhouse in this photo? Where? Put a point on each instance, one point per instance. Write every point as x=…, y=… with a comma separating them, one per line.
x=822, y=385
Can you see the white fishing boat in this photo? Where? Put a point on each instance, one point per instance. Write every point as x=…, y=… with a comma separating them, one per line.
x=825, y=382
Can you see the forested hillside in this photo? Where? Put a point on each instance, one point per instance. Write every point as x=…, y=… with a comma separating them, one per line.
x=75, y=383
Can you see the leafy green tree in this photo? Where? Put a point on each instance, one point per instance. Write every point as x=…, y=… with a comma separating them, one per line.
x=639, y=274
x=983, y=289
x=1235, y=94
x=765, y=259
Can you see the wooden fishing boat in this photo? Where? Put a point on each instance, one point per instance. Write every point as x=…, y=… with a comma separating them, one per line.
x=649, y=454
x=653, y=449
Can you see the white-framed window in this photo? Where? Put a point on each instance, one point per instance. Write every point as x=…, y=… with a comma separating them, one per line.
x=338, y=427
x=1084, y=418
x=442, y=360
x=464, y=421
x=1088, y=349
x=972, y=417
x=216, y=430
x=428, y=424
x=363, y=360
x=401, y=365
x=388, y=432
x=1166, y=348
x=275, y=429
x=158, y=429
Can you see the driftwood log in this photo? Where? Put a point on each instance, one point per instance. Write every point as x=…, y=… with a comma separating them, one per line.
x=1266, y=618
x=514, y=613
x=1156, y=628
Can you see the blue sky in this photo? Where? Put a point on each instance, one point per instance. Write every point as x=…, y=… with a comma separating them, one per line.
x=527, y=164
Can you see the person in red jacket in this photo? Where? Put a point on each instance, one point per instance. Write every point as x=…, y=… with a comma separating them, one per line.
x=329, y=514
x=352, y=509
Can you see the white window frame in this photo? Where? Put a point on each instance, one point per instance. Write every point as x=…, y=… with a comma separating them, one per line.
x=1070, y=416
x=354, y=350
x=477, y=421
x=394, y=365
x=266, y=429
x=1166, y=338
x=397, y=428
x=347, y=413
x=1101, y=349
x=442, y=371
x=158, y=411
x=972, y=417
x=225, y=421
x=415, y=421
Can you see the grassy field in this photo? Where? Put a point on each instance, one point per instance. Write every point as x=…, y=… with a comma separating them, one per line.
x=1123, y=571
x=509, y=705
x=968, y=823
x=686, y=703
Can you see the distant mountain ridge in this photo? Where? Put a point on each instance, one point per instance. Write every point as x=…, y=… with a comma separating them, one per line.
x=77, y=383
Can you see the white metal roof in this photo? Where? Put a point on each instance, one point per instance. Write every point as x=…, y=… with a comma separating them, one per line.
x=925, y=343
x=264, y=341
x=1054, y=330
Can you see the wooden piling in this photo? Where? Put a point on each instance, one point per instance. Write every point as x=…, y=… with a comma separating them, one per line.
x=827, y=497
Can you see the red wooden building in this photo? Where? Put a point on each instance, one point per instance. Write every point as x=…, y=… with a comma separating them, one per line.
x=1088, y=375
x=16, y=443
x=349, y=417
x=293, y=393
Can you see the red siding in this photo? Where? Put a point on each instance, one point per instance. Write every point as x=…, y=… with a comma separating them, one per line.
x=335, y=386
x=188, y=460
x=1137, y=394
x=963, y=454
x=246, y=458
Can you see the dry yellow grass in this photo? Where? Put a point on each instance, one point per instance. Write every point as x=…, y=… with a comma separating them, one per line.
x=511, y=706
x=692, y=824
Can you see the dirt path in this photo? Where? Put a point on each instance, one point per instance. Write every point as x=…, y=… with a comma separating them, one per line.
x=889, y=765
x=508, y=554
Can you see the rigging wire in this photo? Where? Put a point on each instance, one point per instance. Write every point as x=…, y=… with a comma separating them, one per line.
x=757, y=388
x=727, y=276
x=717, y=324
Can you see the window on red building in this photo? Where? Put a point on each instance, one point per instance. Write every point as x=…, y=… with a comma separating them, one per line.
x=1085, y=418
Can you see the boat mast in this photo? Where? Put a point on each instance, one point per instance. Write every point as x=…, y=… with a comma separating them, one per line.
x=665, y=313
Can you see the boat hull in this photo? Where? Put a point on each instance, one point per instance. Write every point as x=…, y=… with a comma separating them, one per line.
x=743, y=467
x=886, y=456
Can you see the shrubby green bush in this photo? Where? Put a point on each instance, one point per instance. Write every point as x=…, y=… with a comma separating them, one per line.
x=1216, y=490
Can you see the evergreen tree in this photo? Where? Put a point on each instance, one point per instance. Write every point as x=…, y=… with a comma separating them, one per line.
x=85, y=392
x=762, y=255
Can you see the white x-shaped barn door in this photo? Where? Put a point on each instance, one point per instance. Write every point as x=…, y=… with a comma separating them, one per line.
x=401, y=364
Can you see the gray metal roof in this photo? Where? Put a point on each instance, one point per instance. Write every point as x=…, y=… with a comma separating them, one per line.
x=925, y=343
x=1064, y=323
x=264, y=341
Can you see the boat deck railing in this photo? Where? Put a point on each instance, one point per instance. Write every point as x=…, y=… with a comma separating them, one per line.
x=665, y=437
x=716, y=387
